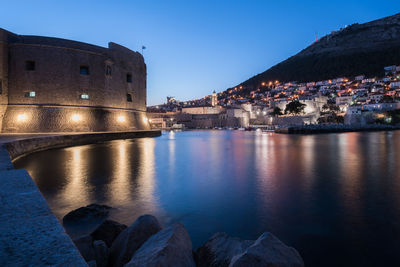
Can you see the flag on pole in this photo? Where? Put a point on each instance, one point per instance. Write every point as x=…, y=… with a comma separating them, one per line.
x=143, y=47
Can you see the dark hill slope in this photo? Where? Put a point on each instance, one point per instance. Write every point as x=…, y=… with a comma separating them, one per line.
x=357, y=49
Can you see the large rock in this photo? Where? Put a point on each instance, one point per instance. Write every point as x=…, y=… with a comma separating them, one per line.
x=169, y=247
x=101, y=253
x=129, y=240
x=93, y=250
x=220, y=249
x=268, y=250
x=85, y=247
x=90, y=212
x=108, y=231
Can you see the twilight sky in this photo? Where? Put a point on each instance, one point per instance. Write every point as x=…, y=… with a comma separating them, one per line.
x=193, y=47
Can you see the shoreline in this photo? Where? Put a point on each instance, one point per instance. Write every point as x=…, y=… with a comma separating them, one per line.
x=339, y=128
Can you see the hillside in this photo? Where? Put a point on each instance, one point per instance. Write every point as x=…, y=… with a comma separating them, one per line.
x=357, y=49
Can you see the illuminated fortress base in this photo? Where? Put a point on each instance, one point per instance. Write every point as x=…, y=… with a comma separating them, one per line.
x=56, y=85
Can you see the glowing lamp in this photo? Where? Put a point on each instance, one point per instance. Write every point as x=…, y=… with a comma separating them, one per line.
x=21, y=117
x=76, y=117
x=121, y=118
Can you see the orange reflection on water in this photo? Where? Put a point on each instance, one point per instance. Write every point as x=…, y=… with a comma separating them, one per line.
x=351, y=161
x=121, y=172
x=146, y=179
x=75, y=191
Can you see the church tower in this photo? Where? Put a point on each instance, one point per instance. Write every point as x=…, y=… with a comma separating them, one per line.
x=214, y=99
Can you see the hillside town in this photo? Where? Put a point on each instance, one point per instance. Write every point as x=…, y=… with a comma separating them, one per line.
x=357, y=100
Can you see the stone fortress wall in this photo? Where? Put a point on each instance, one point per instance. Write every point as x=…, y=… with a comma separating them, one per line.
x=57, y=85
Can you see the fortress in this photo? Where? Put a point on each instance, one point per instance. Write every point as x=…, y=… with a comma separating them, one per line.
x=57, y=85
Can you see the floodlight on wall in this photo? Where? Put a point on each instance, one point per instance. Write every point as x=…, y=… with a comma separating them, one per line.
x=145, y=119
x=76, y=117
x=121, y=118
x=22, y=117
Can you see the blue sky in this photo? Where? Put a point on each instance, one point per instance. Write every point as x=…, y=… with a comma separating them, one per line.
x=193, y=47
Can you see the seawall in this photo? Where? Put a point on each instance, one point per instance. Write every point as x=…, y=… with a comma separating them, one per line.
x=23, y=147
x=320, y=129
x=30, y=234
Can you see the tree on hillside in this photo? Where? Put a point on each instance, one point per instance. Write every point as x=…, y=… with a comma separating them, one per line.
x=387, y=99
x=277, y=111
x=295, y=107
x=329, y=108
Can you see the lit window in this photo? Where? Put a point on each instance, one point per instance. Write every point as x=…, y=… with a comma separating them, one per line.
x=129, y=78
x=84, y=70
x=129, y=97
x=108, y=70
x=85, y=96
x=29, y=65
x=31, y=94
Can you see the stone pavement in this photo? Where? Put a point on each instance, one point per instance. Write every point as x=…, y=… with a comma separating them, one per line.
x=30, y=234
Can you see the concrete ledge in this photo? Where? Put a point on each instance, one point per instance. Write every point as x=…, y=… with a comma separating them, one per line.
x=30, y=234
x=23, y=147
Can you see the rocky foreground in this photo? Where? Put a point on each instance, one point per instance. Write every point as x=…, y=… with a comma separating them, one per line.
x=147, y=243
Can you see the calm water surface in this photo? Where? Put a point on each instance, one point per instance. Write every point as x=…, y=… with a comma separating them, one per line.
x=334, y=197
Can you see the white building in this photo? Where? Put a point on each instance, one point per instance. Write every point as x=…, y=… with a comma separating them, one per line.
x=202, y=110
x=395, y=85
x=381, y=106
x=343, y=100
x=369, y=80
x=375, y=98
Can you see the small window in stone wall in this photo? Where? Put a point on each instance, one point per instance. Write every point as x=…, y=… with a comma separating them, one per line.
x=108, y=70
x=29, y=65
x=84, y=70
x=1, y=87
x=30, y=94
x=129, y=78
x=129, y=97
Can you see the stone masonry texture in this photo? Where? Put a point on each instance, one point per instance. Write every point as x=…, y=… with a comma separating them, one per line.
x=59, y=72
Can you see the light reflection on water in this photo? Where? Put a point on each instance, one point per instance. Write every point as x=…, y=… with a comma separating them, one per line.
x=332, y=196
